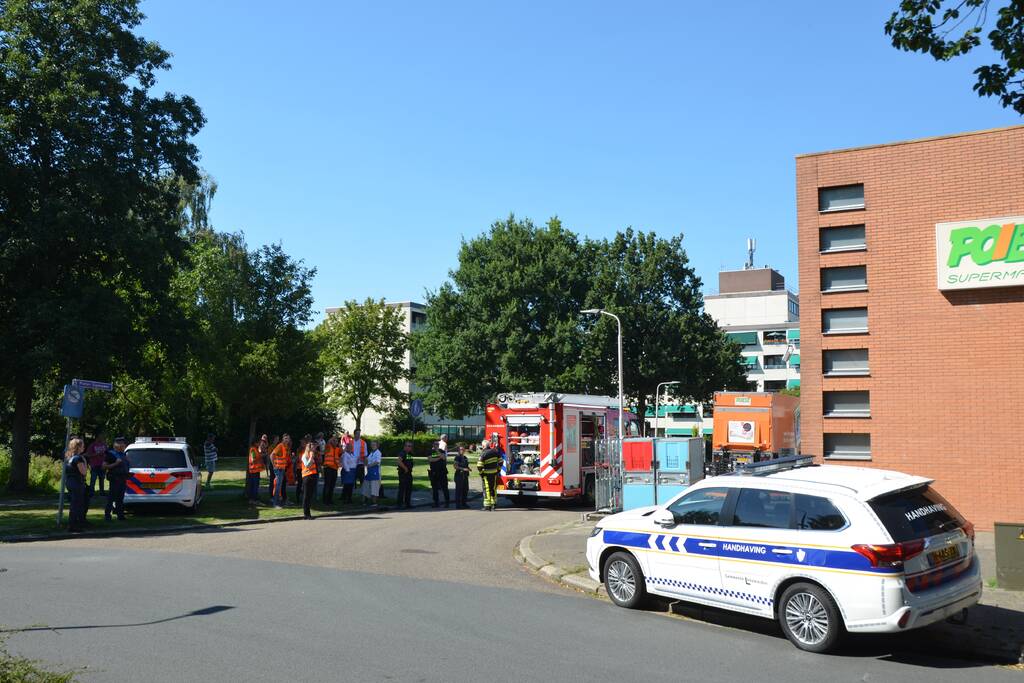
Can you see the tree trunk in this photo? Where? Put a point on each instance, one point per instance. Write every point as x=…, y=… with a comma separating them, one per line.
x=252, y=429
x=359, y=422
x=21, y=430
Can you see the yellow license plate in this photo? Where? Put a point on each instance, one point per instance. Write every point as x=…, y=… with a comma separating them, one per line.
x=943, y=555
x=153, y=484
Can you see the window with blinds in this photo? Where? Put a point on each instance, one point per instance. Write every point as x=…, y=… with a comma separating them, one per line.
x=841, y=198
x=847, y=404
x=844, y=320
x=845, y=362
x=844, y=279
x=844, y=238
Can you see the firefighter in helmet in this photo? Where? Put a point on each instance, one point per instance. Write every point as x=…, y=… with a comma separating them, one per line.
x=489, y=465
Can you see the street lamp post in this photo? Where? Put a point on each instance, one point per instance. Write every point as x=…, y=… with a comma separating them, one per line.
x=601, y=311
x=657, y=395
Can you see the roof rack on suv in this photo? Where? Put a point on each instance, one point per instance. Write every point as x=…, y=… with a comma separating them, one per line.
x=160, y=439
x=790, y=462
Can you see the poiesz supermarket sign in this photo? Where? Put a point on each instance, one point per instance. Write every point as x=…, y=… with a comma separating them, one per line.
x=982, y=253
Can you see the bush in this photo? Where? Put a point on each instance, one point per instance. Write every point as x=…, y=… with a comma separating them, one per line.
x=391, y=445
x=43, y=472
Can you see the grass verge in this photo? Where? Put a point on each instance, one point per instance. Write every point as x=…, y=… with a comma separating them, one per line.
x=223, y=503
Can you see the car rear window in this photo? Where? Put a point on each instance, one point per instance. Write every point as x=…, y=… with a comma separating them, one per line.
x=157, y=458
x=916, y=513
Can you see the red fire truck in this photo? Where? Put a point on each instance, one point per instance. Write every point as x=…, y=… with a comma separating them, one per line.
x=550, y=442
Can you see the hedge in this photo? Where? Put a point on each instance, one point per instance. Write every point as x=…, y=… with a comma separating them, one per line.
x=392, y=444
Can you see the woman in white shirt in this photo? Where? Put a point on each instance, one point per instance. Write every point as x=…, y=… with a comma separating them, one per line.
x=348, y=473
x=371, y=482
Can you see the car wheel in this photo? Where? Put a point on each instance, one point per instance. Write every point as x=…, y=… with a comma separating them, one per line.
x=624, y=581
x=809, y=618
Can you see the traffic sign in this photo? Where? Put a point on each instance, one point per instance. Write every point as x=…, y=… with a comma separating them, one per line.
x=93, y=384
x=72, y=404
x=416, y=408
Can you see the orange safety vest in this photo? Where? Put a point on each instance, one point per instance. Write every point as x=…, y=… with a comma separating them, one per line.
x=332, y=456
x=310, y=469
x=280, y=457
x=255, y=460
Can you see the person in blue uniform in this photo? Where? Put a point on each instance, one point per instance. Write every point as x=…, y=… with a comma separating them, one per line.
x=461, y=463
x=75, y=471
x=117, y=470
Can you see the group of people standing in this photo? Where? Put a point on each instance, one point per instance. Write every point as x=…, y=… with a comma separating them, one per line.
x=348, y=456
x=101, y=463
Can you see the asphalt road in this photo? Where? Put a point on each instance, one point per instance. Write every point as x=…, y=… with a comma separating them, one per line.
x=415, y=596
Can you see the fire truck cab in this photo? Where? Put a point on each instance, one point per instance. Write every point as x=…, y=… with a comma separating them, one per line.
x=550, y=440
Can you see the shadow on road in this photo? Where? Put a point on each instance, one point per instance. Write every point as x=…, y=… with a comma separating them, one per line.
x=204, y=612
x=914, y=648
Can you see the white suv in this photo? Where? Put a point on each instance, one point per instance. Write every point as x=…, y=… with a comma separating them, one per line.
x=822, y=549
x=163, y=470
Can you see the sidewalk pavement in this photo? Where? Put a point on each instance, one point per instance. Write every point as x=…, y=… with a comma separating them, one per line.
x=994, y=630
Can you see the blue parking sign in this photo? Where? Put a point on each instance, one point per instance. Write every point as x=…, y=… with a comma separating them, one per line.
x=72, y=404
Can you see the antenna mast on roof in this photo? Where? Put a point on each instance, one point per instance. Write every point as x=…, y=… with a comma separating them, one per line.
x=751, y=246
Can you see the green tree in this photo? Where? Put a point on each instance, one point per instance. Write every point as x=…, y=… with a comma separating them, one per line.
x=509, y=319
x=89, y=157
x=648, y=282
x=362, y=355
x=249, y=356
x=949, y=29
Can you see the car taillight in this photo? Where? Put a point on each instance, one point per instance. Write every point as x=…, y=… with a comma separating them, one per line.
x=184, y=474
x=893, y=555
x=968, y=530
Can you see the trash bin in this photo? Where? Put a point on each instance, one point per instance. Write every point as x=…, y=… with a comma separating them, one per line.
x=1010, y=556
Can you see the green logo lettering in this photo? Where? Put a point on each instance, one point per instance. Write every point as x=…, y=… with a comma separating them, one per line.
x=961, y=244
x=1016, y=252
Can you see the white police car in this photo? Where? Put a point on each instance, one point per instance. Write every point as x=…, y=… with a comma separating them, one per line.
x=163, y=471
x=822, y=549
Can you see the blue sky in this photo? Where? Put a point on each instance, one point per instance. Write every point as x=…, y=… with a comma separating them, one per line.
x=370, y=137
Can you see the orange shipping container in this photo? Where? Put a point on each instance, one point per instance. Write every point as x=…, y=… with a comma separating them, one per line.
x=756, y=421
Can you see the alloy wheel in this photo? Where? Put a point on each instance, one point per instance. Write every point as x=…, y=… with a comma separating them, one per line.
x=807, y=618
x=621, y=581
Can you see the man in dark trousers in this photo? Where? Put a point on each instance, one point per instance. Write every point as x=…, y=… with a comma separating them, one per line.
x=489, y=465
x=438, y=464
x=117, y=470
x=461, y=479
x=405, y=465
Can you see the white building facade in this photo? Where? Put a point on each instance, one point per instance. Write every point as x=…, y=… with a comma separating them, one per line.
x=414, y=318
x=754, y=309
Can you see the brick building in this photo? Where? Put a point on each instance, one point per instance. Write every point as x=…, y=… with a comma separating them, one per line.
x=912, y=273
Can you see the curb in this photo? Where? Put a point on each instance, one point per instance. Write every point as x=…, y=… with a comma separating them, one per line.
x=551, y=571
x=155, y=531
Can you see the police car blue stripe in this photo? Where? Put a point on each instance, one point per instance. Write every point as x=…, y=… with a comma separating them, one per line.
x=629, y=539
x=799, y=556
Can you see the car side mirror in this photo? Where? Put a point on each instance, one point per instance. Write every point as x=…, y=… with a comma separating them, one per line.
x=664, y=518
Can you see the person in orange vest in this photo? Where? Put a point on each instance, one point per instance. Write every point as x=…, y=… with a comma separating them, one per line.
x=308, y=462
x=252, y=476
x=332, y=460
x=280, y=460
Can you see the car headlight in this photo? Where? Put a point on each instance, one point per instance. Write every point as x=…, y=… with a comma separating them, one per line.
x=595, y=531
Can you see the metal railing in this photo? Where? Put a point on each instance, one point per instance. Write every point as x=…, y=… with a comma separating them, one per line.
x=608, y=475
